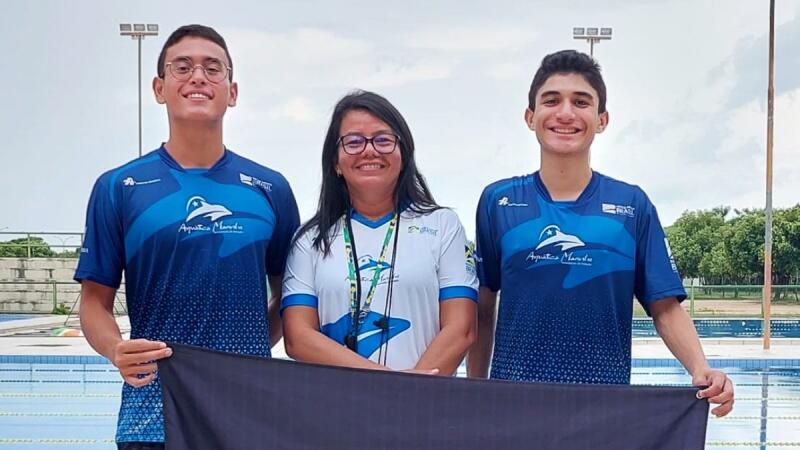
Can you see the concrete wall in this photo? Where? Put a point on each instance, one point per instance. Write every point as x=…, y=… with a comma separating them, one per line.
x=27, y=284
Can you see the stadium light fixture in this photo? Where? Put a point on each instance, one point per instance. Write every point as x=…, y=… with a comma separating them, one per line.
x=592, y=35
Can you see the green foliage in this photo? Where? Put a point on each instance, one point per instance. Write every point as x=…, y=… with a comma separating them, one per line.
x=61, y=309
x=786, y=244
x=730, y=250
x=18, y=248
x=692, y=238
x=69, y=253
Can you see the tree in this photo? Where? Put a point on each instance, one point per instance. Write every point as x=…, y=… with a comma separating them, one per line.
x=744, y=246
x=720, y=249
x=786, y=245
x=693, y=236
x=18, y=248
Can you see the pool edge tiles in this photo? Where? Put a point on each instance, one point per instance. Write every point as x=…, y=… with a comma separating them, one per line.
x=717, y=363
x=53, y=359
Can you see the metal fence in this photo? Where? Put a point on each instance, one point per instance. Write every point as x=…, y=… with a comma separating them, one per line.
x=29, y=244
x=742, y=300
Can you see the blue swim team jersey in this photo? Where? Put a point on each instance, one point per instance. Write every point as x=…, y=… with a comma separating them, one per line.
x=567, y=273
x=196, y=246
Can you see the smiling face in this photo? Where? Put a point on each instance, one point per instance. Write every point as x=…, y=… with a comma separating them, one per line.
x=196, y=99
x=369, y=171
x=566, y=116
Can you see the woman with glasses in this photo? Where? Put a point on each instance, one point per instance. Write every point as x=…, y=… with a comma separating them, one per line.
x=380, y=277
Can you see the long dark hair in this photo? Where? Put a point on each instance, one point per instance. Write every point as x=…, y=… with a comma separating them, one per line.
x=334, y=200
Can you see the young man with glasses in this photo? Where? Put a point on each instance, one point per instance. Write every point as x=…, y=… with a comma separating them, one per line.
x=197, y=230
x=569, y=248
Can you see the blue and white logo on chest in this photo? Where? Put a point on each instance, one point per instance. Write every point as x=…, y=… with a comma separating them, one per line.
x=202, y=215
x=556, y=246
x=553, y=236
x=588, y=246
x=368, y=266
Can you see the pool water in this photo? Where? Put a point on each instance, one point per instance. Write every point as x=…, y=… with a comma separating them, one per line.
x=61, y=406
x=766, y=413
x=9, y=317
x=726, y=328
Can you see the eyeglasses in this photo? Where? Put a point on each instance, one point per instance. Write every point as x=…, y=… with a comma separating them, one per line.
x=354, y=144
x=182, y=69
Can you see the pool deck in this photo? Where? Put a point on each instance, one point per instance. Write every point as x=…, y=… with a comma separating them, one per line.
x=30, y=337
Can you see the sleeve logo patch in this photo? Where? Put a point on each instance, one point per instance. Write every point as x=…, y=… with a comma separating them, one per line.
x=619, y=210
x=255, y=182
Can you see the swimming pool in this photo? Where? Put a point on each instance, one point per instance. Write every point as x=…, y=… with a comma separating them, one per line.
x=4, y=317
x=726, y=328
x=61, y=403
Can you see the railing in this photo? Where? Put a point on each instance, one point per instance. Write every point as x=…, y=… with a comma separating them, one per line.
x=62, y=302
x=28, y=242
x=702, y=300
x=737, y=301
x=733, y=293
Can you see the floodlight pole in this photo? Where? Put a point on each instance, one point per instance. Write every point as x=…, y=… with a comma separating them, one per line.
x=138, y=32
x=139, y=84
x=766, y=332
x=592, y=35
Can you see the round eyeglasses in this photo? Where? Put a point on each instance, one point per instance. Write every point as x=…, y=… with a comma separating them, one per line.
x=182, y=69
x=354, y=144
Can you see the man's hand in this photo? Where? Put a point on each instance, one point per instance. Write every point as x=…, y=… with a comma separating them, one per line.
x=719, y=390
x=136, y=358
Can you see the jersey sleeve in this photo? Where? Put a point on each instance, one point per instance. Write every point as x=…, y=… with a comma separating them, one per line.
x=298, y=279
x=102, y=253
x=288, y=220
x=487, y=244
x=656, y=273
x=457, y=278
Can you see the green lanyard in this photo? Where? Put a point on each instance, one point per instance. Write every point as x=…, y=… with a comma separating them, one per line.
x=358, y=313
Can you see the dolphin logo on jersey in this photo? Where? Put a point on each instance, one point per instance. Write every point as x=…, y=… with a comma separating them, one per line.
x=367, y=262
x=244, y=219
x=552, y=235
x=198, y=207
x=579, y=248
x=369, y=336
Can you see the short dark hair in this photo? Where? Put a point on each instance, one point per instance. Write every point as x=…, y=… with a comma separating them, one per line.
x=566, y=62
x=411, y=190
x=194, y=30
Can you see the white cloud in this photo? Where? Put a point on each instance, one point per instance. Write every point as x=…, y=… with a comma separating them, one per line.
x=477, y=38
x=394, y=73
x=709, y=156
x=786, y=149
x=299, y=47
x=507, y=71
x=298, y=109
x=308, y=58
x=459, y=73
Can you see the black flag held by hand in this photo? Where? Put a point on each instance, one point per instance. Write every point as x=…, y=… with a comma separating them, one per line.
x=222, y=401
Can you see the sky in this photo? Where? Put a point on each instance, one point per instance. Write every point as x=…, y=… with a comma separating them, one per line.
x=687, y=93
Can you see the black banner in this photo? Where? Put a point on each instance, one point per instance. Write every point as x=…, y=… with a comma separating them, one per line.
x=221, y=401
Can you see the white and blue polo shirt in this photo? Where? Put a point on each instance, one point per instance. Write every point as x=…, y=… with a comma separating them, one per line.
x=433, y=265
